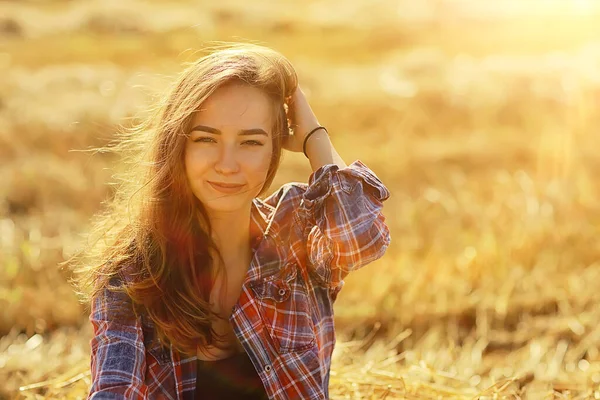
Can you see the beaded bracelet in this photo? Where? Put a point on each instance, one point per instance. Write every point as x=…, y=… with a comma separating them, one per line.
x=308, y=135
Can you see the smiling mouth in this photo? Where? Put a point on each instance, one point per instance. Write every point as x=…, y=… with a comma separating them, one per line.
x=230, y=189
x=225, y=185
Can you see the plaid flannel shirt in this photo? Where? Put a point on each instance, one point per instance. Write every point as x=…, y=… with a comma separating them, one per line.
x=306, y=238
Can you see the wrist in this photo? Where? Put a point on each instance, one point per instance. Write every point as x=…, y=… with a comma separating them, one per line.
x=313, y=138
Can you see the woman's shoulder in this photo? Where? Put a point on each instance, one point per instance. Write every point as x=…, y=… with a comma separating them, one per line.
x=288, y=194
x=116, y=276
x=275, y=212
x=112, y=299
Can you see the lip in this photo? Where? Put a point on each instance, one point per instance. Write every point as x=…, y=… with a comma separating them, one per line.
x=226, y=188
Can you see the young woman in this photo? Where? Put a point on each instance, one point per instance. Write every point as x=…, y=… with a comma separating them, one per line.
x=198, y=288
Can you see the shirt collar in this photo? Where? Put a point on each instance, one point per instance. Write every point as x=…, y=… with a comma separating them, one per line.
x=261, y=216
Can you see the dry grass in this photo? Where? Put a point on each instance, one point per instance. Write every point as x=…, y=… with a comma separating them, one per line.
x=481, y=119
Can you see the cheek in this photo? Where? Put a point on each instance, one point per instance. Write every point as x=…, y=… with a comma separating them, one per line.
x=265, y=161
x=259, y=160
x=258, y=167
x=194, y=160
x=187, y=164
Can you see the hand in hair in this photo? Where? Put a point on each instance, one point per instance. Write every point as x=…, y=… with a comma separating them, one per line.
x=301, y=120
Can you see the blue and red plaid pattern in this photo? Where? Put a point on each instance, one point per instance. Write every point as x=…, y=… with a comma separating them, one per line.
x=306, y=238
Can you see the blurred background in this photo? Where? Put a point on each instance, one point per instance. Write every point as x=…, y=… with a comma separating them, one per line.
x=482, y=118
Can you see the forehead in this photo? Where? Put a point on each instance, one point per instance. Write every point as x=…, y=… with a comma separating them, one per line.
x=236, y=106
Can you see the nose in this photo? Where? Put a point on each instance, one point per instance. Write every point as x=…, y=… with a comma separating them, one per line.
x=227, y=162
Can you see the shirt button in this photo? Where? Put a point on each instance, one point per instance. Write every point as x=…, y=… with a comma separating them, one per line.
x=268, y=369
x=281, y=292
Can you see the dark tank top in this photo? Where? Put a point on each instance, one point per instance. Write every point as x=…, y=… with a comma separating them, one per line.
x=230, y=378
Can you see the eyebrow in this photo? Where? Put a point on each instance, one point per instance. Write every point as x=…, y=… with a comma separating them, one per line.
x=243, y=132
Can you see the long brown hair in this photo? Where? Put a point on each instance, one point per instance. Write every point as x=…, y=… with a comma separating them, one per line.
x=154, y=234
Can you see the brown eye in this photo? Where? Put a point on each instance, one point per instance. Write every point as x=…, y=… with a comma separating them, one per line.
x=202, y=139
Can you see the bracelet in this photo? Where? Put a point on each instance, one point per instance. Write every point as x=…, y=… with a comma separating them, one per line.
x=308, y=135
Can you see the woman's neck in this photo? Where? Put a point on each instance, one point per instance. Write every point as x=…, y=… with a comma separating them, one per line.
x=231, y=234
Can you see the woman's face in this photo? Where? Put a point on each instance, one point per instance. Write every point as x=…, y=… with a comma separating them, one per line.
x=230, y=143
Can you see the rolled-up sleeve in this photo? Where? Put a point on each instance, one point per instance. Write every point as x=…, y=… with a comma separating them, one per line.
x=118, y=361
x=341, y=217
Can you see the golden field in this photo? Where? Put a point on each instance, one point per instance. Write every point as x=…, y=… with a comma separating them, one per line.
x=482, y=118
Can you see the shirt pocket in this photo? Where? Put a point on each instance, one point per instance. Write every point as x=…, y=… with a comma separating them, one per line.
x=284, y=308
x=156, y=354
x=159, y=376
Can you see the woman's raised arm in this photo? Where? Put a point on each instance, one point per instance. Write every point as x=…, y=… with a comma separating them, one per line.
x=340, y=209
x=343, y=226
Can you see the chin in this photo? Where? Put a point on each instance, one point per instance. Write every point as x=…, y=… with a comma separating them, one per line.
x=226, y=204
